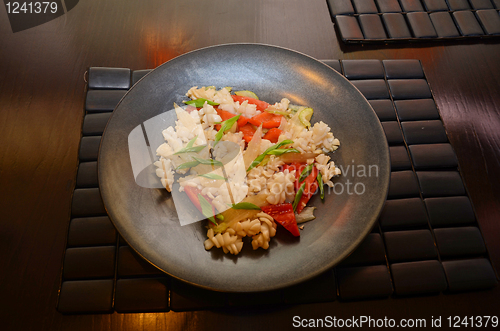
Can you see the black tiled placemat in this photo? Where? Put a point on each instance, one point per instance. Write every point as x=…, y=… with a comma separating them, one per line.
x=427, y=240
x=376, y=21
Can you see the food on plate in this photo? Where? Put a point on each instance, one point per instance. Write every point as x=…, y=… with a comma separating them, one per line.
x=246, y=165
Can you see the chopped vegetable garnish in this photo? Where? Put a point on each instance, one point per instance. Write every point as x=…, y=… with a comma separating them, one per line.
x=195, y=149
x=186, y=165
x=208, y=162
x=213, y=176
x=206, y=209
x=298, y=196
x=263, y=155
x=320, y=184
x=307, y=170
x=281, y=151
x=226, y=126
x=189, y=147
x=305, y=116
x=245, y=205
x=198, y=103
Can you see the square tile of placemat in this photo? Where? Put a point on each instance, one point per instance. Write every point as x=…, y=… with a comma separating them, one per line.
x=389, y=6
x=411, y=245
x=420, y=277
x=396, y=26
x=433, y=156
x=89, y=148
x=467, y=23
x=94, y=124
x=87, y=202
x=349, y=27
x=440, y=183
x=370, y=252
x=321, y=288
x=416, y=110
x=481, y=4
x=363, y=69
x=444, y=25
x=393, y=132
x=490, y=21
x=435, y=5
x=403, y=184
x=185, y=297
x=469, y=274
x=98, y=101
x=368, y=282
x=456, y=242
x=91, y=231
x=89, y=262
x=399, y=158
x=458, y=4
x=372, y=26
x=340, y=7
x=365, y=6
x=86, y=296
x=421, y=25
x=424, y=132
x=142, y=295
x=411, y=5
x=403, y=69
x=87, y=175
x=403, y=214
x=138, y=74
x=449, y=211
x=130, y=264
x=372, y=88
x=384, y=109
x=109, y=78
x=409, y=89
x=335, y=64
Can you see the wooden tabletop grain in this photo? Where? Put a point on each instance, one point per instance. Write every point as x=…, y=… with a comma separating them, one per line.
x=41, y=111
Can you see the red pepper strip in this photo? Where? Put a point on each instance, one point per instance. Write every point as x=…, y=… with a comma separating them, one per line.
x=283, y=214
x=267, y=120
x=261, y=105
x=242, y=121
x=311, y=183
x=225, y=115
x=248, y=131
x=272, y=135
x=192, y=193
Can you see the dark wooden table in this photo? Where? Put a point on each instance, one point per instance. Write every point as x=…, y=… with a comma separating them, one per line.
x=41, y=111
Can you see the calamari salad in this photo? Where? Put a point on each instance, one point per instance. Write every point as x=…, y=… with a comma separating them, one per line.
x=246, y=165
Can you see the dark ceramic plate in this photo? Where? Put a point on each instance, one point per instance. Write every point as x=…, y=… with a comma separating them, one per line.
x=147, y=218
